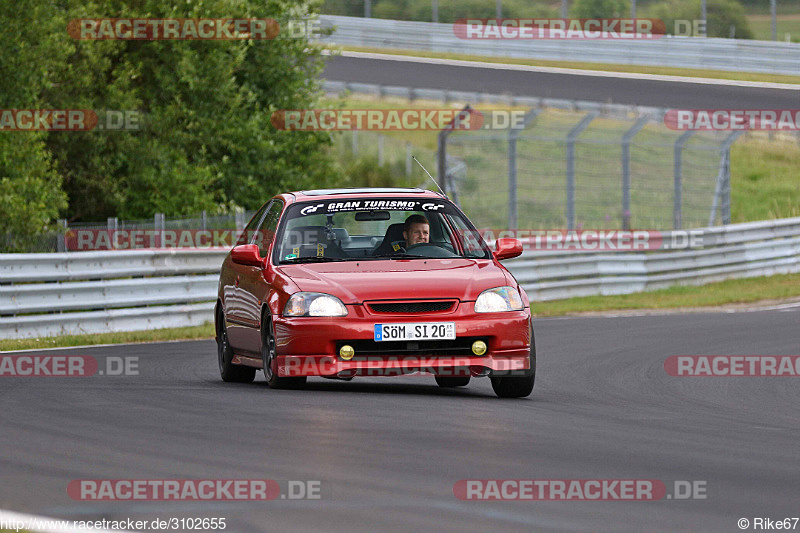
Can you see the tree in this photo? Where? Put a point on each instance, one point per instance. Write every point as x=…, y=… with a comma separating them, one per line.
x=30, y=189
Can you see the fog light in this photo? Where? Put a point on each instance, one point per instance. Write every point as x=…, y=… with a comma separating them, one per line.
x=479, y=347
x=346, y=352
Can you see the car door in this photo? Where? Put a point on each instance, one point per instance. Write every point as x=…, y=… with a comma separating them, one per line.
x=236, y=309
x=253, y=287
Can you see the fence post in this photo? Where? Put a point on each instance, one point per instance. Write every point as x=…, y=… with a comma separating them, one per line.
x=61, y=237
x=441, y=152
x=112, y=223
x=408, y=160
x=160, y=226
x=355, y=143
x=722, y=190
x=204, y=220
x=626, y=170
x=513, y=133
x=571, y=137
x=380, y=149
x=677, y=204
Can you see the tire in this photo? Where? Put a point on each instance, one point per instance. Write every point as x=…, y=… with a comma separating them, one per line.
x=229, y=372
x=452, y=381
x=268, y=354
x=517, y=386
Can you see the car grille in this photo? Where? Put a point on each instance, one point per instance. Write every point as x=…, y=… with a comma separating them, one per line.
x=366, y=348
x=412, y=306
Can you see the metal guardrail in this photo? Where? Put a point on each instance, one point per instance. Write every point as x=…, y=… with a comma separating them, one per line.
x=683, y=52
x=94, y=292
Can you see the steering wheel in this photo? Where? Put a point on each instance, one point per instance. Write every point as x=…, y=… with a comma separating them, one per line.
x=429, y=250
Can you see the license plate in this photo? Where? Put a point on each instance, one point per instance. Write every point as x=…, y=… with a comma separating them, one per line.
x=415, y=331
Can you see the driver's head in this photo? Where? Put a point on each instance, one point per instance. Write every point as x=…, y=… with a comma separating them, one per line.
x=416, y=230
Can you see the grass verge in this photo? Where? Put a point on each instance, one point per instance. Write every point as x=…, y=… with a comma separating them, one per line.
x=735, y=291
x=206, y=331
x=585, y=65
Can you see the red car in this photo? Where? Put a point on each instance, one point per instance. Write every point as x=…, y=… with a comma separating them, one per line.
x=372, y=282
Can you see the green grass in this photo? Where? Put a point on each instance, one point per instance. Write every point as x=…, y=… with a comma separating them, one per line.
x=764, y=180
x=206, y=331
x=761, y=26
x=735, y=291
x=585, y=65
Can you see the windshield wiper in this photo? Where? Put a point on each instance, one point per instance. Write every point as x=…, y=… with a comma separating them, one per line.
x=297, y=260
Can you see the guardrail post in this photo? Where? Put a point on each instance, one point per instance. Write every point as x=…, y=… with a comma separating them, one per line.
x=677, y=203
x=571, y=138
x=435, y=10
x=513, y=133
x=626, y=168
x=367, y=8
x=204, y=220
x=355, y=143
x=380, y=150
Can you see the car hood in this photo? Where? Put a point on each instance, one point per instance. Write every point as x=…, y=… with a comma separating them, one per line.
x=355, y=282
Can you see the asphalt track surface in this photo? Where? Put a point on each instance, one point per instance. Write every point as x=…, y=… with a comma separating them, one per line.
x=390, y=450
x=656, y=93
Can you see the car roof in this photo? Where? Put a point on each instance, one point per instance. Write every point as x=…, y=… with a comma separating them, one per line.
x=376, y=192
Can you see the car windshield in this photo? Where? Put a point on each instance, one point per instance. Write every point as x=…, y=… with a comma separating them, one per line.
x=384, y=229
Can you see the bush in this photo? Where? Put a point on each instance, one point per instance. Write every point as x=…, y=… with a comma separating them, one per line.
x=721, y=15
x=595, y=9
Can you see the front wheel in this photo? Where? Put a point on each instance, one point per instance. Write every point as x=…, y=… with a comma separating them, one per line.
x=513, y=387
x=517, y=386
x=268, y=357
x=229, y=372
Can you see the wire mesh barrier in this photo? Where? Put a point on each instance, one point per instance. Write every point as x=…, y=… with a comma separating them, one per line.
x=579, y=170
x=202, y=231
x=573, y=165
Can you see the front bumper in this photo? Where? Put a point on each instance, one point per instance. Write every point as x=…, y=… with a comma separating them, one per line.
x=308, y=346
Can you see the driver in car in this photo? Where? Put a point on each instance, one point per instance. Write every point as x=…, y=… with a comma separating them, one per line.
x=416, y=230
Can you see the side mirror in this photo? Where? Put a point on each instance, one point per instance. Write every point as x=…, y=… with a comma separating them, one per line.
x=247, y=254
x=507, y=248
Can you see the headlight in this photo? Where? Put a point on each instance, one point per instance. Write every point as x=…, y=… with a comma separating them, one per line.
x=314, y=304
x=498, y=299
